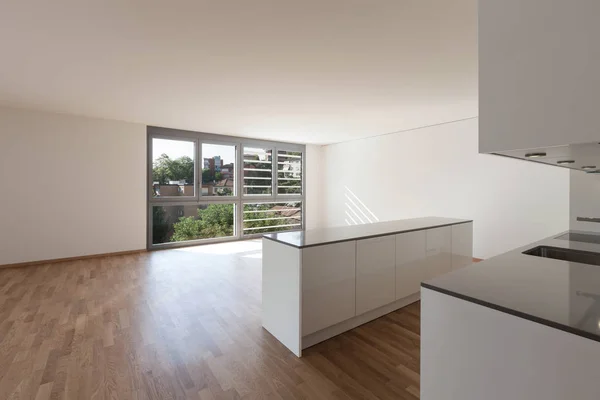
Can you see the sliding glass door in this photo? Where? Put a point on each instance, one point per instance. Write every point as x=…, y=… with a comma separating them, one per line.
x=205, y=188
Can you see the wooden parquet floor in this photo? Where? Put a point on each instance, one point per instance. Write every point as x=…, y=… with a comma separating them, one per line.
x=182, y=324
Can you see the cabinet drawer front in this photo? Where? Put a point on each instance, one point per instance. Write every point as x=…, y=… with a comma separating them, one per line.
x=439, y=239
x=375, y=273
x=323, y=265
x=328, y=285
x=376, y=253
x=323, y=308
x=462, y=245
x=410, y=246
x=439, y=252
x=410, y=262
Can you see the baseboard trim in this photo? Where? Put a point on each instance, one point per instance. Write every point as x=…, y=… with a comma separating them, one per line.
x=344, y=326
x=60, y=260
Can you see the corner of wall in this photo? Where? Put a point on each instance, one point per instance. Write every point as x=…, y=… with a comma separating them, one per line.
x=314, y=186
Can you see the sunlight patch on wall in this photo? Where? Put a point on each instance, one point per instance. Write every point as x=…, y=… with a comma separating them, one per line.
x=356, y=211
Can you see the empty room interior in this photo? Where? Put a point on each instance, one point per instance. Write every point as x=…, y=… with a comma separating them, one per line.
x=318, y=199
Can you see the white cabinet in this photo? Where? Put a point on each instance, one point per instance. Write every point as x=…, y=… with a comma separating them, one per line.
x=462, y=245
x=410, y=262
x=313, y=293
x=438, y=259
x=328, y=285
x=375, y=273
x=538, y=73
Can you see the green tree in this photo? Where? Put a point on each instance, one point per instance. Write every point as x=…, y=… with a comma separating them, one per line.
x=165, y=169
x=216, y=220
x=207, y=176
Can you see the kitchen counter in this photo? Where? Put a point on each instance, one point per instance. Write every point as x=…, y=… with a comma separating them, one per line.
x=318, y=237
x=320, y=283
x=560, y=294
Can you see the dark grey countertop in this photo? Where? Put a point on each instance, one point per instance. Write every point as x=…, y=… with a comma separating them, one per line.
x=318, y=237
x=561, y=294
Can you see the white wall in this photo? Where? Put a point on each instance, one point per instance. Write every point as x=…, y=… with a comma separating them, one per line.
x=584, y=200
x=71, y=186
x=313, y=180
x=438, y=171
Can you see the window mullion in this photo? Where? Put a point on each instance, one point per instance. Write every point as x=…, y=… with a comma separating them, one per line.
x=279, y=210
x=275, y=172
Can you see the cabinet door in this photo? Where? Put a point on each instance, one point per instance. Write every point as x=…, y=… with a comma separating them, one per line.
x=375, y=273
x=462, y=245
x=328, y=285
x=439, y=251
x=410, y=262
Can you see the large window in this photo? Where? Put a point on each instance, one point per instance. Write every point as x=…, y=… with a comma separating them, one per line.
x=173, y=168
x=258, y=171
x=207, y=188
x=218, y=170
x=289, y=172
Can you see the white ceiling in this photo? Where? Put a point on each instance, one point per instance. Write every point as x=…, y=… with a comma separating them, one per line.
x=311, y=71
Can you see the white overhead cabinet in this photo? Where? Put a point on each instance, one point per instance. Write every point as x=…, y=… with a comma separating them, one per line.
x=539, y=84
x=349, y=276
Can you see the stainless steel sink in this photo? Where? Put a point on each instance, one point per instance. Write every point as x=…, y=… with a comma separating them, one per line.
x=579, y=256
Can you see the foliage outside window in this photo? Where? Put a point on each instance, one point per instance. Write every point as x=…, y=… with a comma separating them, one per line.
x=173, y=168
x=183, y=223
x=190, y=171
x=271, y=217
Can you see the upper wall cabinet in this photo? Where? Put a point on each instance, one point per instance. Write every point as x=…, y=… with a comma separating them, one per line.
x=539, y=79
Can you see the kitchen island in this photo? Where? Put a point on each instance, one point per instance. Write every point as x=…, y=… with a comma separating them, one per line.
x=516, y=326
x=320, y=283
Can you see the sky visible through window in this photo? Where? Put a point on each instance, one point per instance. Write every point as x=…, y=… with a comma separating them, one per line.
x=179, y=148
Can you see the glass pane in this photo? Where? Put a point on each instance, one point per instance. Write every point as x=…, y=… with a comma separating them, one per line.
x=289, y=172
x=258, y=172
x=192, y=222
x=218, y=170
x=173, y=168
x=272, y=217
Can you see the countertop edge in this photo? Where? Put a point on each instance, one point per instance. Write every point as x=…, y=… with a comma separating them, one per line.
x=513, y=312
x=366, y=237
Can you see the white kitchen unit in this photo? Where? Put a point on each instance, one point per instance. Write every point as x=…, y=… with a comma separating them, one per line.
x=524, y=325
x=320, y=283
x=472, y=352
x=538, y=73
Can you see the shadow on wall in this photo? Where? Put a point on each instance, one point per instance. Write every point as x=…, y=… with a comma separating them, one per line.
x=356, y=211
